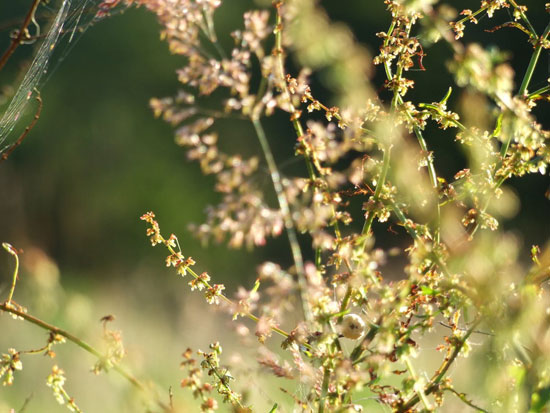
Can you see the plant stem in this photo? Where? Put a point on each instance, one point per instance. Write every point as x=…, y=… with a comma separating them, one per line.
x=419, y=392
x=412, y=232
x=398, y=100
x=527, y=79
x=474, y=14
x=14, y=280
x=538, y=92
x=287, y=217
x=440, y=374
x=228, y=300
x=486, y=205
x=463, y=398
x=524, y=18
x=29, y=127
x=80, y=343
x=324, y=389
x=20, y=34
x=278, y=52
x=533, y=62
x=381, y=181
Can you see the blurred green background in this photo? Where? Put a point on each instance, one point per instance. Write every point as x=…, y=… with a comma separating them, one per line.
x=72, y=194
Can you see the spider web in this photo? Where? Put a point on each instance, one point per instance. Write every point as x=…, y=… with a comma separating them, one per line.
x=70, y=19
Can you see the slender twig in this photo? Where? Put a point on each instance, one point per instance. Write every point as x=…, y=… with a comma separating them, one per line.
x=19, y=140
x=485, y=333
x=223, y=382
x=7, y=307
x=324, y=389
x=441, y=371
x=524, y=17
x=376, y=197
x=21, y=34
x=471, y=16
x=538, y=92
x=398, y=100
x=287, y=217
x=527, y=78
x=13, y=252
x=25, y=403
x=279, y=54
x=224, y=297
x=417, y=389
x=463, y=398
x=533, y=62
x=413, y=233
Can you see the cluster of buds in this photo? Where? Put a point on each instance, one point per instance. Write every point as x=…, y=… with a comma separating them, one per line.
x=56, y=380
x=220, y=376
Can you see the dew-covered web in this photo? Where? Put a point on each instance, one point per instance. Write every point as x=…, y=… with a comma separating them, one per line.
x=71, y=18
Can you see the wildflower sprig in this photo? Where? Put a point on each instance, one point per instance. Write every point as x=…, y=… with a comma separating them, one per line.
x=56, y=380
x=369, y=302
x=11, y=362
x=220, y=376
x=213, y=292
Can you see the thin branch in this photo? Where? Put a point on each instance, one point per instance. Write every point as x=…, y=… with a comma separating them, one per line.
x=21, y=34
x=463, y=398
x=418, y=391
x=324, y=389
x=11, y=250
x=9, y=308
x=19, y=140
x=539, y=92
x=222, y=296
x=485, y=333
x=376, y=197
x=441, y=371
x=398, y=100
x=527, y=78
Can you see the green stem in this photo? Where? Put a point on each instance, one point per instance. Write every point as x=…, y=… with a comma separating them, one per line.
x=524, y=17
x=294, y=114
x=533, y=62
x=438, y=111
x=387, y=67
x=486, y=205
x=14, y=279
x=345, y=301
x=228, y=300
x=463, y=398
x=441, y=372
x=381, y=181
x=80, y=343
x=398, y=100
x=318, y=258
x=278, y=52
x=538, y=92
x=223, y=383
x=419, y=392
x=521, y=92
x=210, y=33
x=287, y=217
x=324, y=389
x=477, y=12
x=433, y=178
